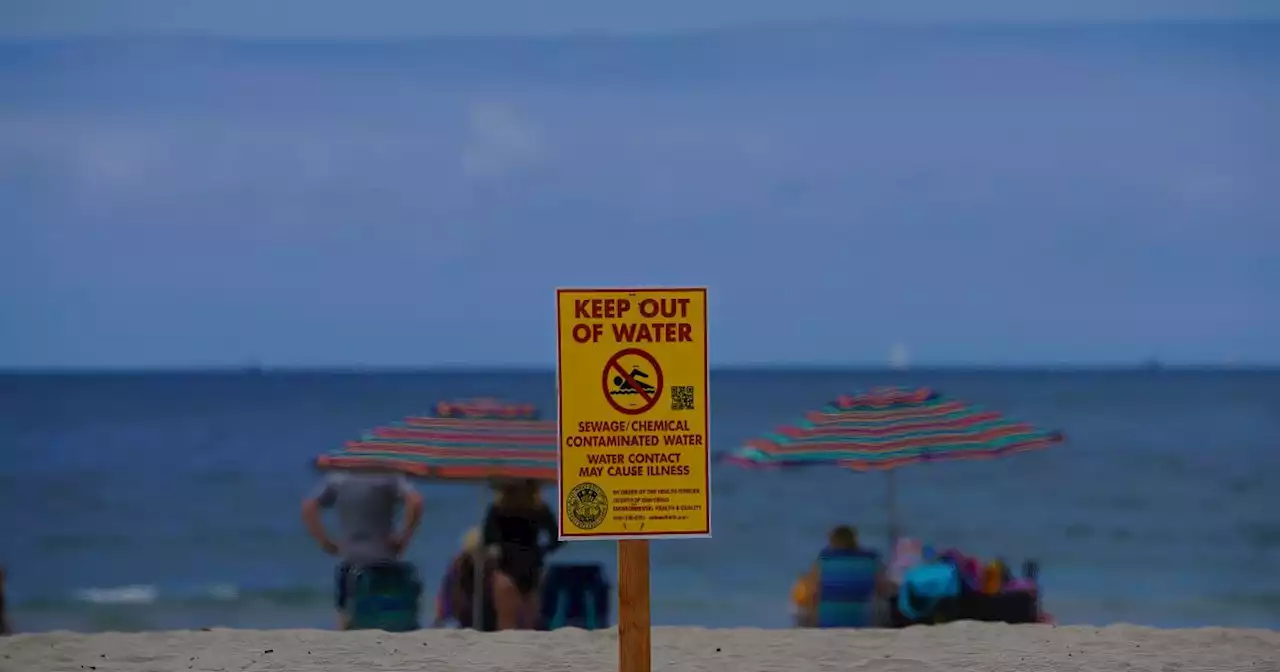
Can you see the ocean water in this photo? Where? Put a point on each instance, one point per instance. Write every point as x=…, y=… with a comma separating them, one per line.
x=132, y=502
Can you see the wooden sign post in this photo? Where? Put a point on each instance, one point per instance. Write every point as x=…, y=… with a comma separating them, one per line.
x=633, y=605
x=634, y=451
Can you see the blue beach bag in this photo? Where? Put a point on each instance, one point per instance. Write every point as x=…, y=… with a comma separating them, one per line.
x=925, y=586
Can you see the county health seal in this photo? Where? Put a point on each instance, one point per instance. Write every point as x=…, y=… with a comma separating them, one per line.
x=587, y=506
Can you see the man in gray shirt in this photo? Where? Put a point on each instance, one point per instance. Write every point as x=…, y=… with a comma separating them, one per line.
x=366, y=504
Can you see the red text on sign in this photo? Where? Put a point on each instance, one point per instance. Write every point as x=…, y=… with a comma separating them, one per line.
x=638, y=331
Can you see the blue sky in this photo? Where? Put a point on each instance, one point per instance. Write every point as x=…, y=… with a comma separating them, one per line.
x=1012, y=196
x=401, y=18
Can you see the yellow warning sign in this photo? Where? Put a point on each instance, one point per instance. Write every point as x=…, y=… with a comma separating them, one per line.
x=634, y=420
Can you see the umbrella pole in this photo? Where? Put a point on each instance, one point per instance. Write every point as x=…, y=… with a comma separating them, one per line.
x=891, y=496
x=478, y=565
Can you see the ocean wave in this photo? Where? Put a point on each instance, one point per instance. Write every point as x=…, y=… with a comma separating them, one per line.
x=134, y=594
x=138, y=595
x=211, y=536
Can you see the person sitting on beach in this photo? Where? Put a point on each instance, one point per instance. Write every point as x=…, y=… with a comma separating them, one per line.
x=512, y=529
x=366, y=504
x=456, y=599
x=841, y=588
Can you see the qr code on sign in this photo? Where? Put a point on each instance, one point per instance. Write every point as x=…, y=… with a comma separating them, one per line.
x=682, y=397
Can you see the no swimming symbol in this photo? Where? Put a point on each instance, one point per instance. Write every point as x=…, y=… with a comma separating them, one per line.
x=632, y=381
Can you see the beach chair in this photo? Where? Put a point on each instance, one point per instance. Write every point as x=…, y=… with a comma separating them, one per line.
x=575, y=596
x=846, y=588
x=384, y=597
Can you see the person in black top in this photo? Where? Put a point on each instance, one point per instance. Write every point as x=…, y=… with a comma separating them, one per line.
x=512, y=531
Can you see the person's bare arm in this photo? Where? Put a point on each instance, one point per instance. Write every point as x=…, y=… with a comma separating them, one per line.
x=323, y=498
x=551, y=526
x=491, y=533
x=413, y=506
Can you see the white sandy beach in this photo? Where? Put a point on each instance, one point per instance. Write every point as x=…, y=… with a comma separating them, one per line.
x=962, y=646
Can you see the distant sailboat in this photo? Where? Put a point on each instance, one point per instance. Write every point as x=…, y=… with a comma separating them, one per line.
x=899, y=358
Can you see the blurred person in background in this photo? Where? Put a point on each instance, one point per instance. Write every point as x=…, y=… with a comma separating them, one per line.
x=512, y=531
x=456, y=598
x=366, y=504
x=841, y=588
x=4, y=615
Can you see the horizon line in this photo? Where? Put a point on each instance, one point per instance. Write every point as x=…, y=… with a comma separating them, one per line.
x=353, y=370
x=617, y=34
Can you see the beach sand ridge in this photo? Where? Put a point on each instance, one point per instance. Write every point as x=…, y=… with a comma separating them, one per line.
x=958, y=646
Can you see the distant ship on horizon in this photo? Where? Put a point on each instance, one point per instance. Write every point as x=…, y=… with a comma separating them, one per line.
x=899, y=357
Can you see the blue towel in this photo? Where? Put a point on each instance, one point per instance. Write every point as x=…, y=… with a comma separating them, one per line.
x=846, y=587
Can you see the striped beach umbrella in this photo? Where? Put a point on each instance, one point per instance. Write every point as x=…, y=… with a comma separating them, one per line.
x=474, y=439
x=886, y=428
x=466, y=440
